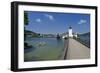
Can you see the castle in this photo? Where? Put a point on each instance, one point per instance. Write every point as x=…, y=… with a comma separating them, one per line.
x=70, y=33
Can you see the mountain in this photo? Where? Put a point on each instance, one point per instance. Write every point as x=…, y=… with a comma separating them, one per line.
x=29, y=33
x=84, y=34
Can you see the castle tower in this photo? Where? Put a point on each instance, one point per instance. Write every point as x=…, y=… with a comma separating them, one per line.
x=70, y=32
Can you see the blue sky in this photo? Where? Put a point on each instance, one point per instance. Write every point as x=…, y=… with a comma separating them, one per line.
x=54, y=22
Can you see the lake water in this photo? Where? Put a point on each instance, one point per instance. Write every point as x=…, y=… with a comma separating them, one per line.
x=44, y=49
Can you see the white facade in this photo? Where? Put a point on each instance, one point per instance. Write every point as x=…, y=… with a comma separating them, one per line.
x=75, y=35
x=64, y=36
x=70, y=33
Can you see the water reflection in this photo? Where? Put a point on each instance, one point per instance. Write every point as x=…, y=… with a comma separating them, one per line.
x=44, y=49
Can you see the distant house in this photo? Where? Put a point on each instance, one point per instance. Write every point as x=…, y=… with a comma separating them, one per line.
x=70, y=33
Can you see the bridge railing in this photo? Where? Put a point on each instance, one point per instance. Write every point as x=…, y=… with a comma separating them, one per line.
x=82, y=42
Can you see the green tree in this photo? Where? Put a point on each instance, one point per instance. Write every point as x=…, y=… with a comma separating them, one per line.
x=26, y=21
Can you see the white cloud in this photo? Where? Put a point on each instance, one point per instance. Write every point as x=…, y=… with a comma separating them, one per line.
x=49, y=16
x=82, y=21
x=38, y=20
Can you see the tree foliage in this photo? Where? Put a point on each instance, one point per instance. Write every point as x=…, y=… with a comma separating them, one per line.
x=26, y=21
x=26, y=18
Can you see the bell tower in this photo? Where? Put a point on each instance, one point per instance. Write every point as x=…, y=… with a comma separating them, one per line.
x=70, y=32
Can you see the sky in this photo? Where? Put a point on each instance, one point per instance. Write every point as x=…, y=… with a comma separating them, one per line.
x=54, y=22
